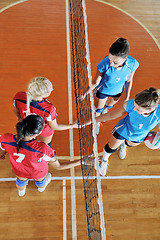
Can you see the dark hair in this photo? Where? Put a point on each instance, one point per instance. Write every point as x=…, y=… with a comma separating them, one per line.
x=32, y=124
x=120, y=48
x=148, y=98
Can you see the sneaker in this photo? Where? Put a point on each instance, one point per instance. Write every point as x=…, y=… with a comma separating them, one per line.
x=97, y=127
x=21, y=193
x=103, y=167
x=122, y=151
x=48, y=180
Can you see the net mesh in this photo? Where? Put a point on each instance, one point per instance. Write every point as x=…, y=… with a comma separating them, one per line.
x=84, y=113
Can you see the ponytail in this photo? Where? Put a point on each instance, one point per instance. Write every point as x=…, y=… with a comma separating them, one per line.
x=148, y=98
x=20, y=134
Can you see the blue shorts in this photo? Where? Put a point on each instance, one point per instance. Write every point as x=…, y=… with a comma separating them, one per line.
x=119, y=137
x=103, y=96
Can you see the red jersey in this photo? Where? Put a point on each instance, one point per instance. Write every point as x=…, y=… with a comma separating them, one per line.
x=44, y=108
x=32, y=160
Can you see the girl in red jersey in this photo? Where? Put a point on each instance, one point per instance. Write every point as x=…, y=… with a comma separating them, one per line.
x=29, y=157
x=34, y=101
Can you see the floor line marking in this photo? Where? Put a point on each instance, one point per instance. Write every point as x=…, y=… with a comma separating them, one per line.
x=73, y=195
x=11, y=5
x=93, y=177
x=130, y=15
x=64, y=211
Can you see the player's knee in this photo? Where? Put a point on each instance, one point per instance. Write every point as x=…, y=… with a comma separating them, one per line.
x=21, y=183
x=40, y=183
x=108, y=149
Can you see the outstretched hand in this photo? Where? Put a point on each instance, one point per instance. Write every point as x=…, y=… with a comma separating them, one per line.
x=81, y=97
x=90, y=160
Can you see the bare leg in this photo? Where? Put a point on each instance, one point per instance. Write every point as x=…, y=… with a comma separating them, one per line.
x=111, y=101
x=100, y=103
x=110, y=148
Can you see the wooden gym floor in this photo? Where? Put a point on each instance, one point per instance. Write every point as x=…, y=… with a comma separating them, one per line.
x=33, y=43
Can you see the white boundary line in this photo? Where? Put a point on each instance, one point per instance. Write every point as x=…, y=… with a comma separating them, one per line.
x=12, y=5
x=73, y=195
x=93, y=177
x=134, y=18
x=64, y=211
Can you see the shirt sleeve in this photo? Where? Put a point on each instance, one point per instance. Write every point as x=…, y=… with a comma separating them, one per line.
x=103, y=65
x=49, y=153
x=53, y=115
x=19, y=96
x=135, y=66
x=14, y=100
x=129, y=105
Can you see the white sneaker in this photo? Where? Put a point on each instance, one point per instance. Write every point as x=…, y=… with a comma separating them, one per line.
x=21, y=193
x=48, y=180
x=97, y=127
x=103, y=167
x=122, y=151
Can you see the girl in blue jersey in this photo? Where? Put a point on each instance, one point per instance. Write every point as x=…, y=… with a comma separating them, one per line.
x=113, y=73
x=143, y=114
x=29, y=157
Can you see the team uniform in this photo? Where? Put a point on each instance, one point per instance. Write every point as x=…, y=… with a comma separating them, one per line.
x=113, y=79
x=135, y=127
x=43, y=108
x=32, y=160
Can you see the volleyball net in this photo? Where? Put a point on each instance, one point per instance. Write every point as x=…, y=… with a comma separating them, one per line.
x=81, y=73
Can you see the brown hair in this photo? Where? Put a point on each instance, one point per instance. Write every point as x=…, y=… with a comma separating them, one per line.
x=120, y=48
x=148, y=98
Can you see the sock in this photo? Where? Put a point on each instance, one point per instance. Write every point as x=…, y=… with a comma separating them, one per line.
x=108, y=107
x=105, y=155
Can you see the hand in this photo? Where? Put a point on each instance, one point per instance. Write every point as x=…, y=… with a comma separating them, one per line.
x=2, y=156
x=82, y=97
x=89, y=160
x=75, y=125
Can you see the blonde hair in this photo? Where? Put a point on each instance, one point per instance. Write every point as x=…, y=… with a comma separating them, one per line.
x=148, y=98
x=37, y=87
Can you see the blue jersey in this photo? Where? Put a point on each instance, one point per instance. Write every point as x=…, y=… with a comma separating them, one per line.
x=135, y=126
x=113, y=79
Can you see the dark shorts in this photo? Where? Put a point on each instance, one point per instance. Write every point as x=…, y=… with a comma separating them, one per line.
x=102, y=96
x=119, y=137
